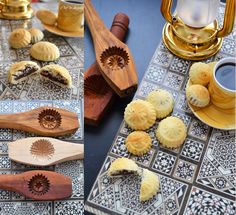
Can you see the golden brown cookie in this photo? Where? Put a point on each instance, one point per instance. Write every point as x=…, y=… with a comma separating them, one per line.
x=138, y=142
x=200, y=73
x=212, y=66
x=198, y=95
x=45, y=51
x=140, y=115
x=163, y=102
x=122, y=166
x=19, y=38
x=20, y=71
x=171, y=132
x=57, y=74
x=149, y=185
x=46, y=16
x=36, y=35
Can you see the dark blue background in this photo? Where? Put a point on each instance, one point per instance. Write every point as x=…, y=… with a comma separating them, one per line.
x=146, y=23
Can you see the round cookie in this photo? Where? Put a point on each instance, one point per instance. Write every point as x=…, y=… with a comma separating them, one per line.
x=138, y=142
x=171, y=132
x=45, y=51
x=19, y=38
x=140, y=115
x=200, y=73
x=46, y=16
x=162, y=101
x=149, y=185
x=198, y=95
x=122, y=166
x=36, y=35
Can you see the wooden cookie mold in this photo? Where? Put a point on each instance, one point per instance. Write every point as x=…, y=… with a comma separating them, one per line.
x=45, y=121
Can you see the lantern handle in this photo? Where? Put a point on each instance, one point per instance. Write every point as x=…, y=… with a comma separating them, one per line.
x=228, y=19
x=166, y=10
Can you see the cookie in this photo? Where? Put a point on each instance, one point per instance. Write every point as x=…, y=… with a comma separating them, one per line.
x=171, y=132
x=45, y=51
x=57, y=74
x=162, y=101
x=20, y=71
x=212, y=66
x=19, y=38
x=138, y=142
x=122, y=166
x=46, y=16
x=140, y=115
x=36, y=35
x=149, y=185
x=198, y=95
x=200, y=73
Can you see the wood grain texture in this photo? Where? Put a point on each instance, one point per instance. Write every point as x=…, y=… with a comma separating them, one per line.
x=98, y=101
x=113, y=57
x=45, y=121
x=38, y=184
x=40, y=151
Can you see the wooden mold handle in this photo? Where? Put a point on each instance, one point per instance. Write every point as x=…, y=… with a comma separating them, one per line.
x=9, y=182
x=92, y=19
x=120, y=26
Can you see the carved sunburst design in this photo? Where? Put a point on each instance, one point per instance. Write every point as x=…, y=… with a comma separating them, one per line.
x=50, y=119
x=42, y=149
x=39, y=185
x=115, y=58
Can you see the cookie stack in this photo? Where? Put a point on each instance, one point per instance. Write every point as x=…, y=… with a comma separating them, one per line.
x=197, y=92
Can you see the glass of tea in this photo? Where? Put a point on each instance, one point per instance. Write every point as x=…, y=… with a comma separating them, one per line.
x=222, y=86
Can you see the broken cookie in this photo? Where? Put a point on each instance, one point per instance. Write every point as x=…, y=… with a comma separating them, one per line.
x=57, y=74
x=20, y=71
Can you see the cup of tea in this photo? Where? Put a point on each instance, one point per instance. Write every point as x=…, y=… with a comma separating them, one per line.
x=70, y=15
x=222, y=87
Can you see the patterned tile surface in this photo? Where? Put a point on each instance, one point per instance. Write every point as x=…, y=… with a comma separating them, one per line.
x=72, y=57
x=13, y=203
x=197, y=178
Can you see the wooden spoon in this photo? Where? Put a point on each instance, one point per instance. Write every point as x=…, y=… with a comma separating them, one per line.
x=45, y=121
x=113, y=56
x=38, y=185
x=98, y=95
x=39, y=151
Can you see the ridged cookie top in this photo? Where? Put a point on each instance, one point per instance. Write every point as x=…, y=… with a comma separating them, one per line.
x=162, y=101
x=171, y=132
x=198, y=95
x=45, y=51
x=46, y=16
x=36, y=35
x=200, y=73
x=149, y=185
x=140, y=115
x=138, y=142
x=122, y=166
x=19, y=38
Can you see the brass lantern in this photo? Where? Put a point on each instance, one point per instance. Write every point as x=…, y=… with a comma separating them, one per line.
x=15, y=9
x=192, y=32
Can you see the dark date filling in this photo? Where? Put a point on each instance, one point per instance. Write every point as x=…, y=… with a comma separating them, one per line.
x=123, y=172
x=58, y=78
x=25, y=72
